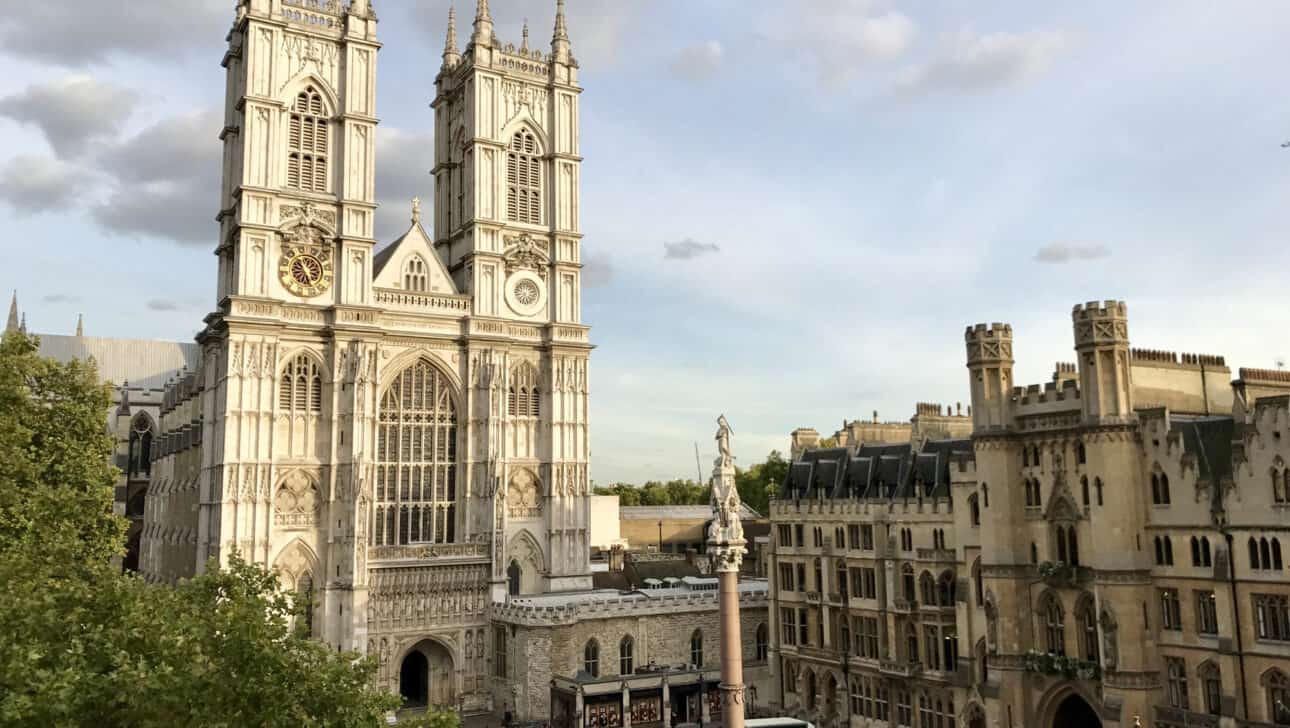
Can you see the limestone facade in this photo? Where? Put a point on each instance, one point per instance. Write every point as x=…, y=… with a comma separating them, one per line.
x=1103, y=548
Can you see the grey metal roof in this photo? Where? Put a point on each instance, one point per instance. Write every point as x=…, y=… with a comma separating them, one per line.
x=142, y=363
x=680, y=513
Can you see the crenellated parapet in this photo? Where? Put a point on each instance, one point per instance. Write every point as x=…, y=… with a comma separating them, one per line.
x=989, y=344
x=1101, y=324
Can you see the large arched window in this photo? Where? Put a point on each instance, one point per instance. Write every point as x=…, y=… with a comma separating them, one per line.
x=140, y=459
x=416, y=275
x=625, y=650
x=696, y=648
x=1277, y=687
x=300, y=387
x=763, y=643
x=307, y=143
x=416, y=456
x=1054, y=625
x=524, y=179
x=591, y=658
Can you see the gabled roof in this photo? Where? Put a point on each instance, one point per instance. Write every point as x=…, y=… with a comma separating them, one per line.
x=416, y=241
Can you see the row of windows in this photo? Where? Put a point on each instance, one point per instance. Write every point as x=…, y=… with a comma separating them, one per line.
x=627, y=652
x=1276, y=686
x=1053, y=625
x=1031, y=456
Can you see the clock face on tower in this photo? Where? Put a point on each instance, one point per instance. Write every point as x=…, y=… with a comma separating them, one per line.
x=305, y=270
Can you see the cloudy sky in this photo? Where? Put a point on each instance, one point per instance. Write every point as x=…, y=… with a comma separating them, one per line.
x=792, y=207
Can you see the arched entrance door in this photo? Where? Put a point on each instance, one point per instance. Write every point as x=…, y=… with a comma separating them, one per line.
x=414, y=679
x=426, y=675
x=976, y=717
x=1075, y=713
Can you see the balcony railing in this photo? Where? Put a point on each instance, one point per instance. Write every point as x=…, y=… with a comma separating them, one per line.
x=897, y=668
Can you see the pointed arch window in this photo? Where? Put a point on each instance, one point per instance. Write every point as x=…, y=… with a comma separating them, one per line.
x=591, y=658
x=140, y=445
x=1054, y=626
x=1083, y=490
x=1086, y=617
x=763, y=642
x=974, y=510
x=696, y=648
x=1176, y=670
x=1211, y=682
x=907, y=579
x=625, y=656
x=300, y=387
x=524, y=179
x=416, y=459
x=308, y=137
x=1280, y=483
x=416, y=275
x=1159, y=488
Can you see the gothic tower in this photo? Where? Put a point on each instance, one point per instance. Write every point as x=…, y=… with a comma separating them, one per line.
x=507, y=226
x=294, y=290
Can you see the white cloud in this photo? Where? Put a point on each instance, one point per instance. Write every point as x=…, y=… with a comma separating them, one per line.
x=1066, y=252
x=838, y=37
x=181, y=147
x=32, y=184
x=81, y=32
x=968, y=62
x=688, y=249
x=699, y=62
x=72, y=112
x=166, y=181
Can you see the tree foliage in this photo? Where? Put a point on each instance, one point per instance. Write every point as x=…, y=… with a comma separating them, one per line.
x=86, y=645
x=754, y=484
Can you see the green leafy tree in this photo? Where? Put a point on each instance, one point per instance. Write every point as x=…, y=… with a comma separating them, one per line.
x=86, y=645
x=756, y=484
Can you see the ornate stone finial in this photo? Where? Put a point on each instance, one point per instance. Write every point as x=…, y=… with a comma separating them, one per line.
x=416, y=210
x=483, y=25
x=361, y=8
x=560, y=41
x=451, y=56
x=12, y=324
x=524, y=44
x=80, y=324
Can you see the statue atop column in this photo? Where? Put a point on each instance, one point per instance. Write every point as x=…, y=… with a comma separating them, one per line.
x=726, y=547
x=726, y=534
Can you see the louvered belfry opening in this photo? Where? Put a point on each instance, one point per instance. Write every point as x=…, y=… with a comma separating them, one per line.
x=300, y=389
x=524, y=180
x=307, y=143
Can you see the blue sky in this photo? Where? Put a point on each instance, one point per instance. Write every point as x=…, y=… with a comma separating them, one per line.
x=792, y=207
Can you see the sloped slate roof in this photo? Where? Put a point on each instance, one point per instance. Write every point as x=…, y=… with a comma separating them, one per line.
x=876, y=471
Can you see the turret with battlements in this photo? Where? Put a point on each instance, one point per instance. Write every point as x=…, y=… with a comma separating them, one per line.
x=989, y=361
x=1102, y=341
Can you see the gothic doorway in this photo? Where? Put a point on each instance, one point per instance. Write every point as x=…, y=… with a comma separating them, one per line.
x=414, y=679
x=513, y=576
x=1075, y=713
x=426, y=675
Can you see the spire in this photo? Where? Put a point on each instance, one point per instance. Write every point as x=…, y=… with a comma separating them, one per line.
x=524, y=47
x=23, y=326
x=12, y=323
x=80, y=324
x=451, y=56
x=483, y=25
x=560, y=41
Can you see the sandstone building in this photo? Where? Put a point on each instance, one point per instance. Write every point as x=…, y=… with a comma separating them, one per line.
x=1102, y=548
x=402, y=430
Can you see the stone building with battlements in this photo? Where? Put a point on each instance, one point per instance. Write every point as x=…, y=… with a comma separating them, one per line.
x=400, y=430
x=1103, y=548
